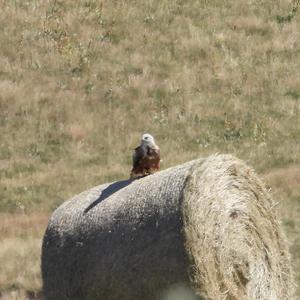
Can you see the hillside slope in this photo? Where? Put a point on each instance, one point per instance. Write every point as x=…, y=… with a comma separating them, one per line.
x=80, y=81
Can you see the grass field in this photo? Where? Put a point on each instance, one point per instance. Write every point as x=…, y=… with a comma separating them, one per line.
x=81, y=80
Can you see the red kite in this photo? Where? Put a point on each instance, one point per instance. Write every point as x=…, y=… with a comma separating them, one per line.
x=146, y=157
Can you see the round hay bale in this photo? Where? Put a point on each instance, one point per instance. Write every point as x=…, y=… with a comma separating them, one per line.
x=208, y=224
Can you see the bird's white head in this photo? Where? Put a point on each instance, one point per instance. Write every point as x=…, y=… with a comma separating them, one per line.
x=148, y=140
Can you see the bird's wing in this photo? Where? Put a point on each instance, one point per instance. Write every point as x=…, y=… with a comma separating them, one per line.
x=154, y=153
x=157, y=150
x=153, y=150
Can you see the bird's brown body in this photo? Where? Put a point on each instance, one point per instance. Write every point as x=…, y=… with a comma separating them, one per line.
x=146, y=158
x=145, y=161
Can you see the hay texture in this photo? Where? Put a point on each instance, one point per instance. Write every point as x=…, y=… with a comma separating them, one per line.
x=208, y=224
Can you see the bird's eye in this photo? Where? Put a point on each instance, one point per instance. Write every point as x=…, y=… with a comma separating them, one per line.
x=146, y=138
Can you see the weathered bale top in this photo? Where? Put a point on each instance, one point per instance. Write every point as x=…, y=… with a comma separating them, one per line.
x=208, y=224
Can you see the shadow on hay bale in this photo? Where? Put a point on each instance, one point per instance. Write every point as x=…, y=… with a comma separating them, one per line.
x=208, y=224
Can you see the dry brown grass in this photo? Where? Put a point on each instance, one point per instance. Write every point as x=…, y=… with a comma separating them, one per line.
x=285, y=186
x=80, y=81
x=20, y=239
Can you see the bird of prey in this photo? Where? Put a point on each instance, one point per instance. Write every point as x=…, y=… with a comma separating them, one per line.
x=146, y=157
